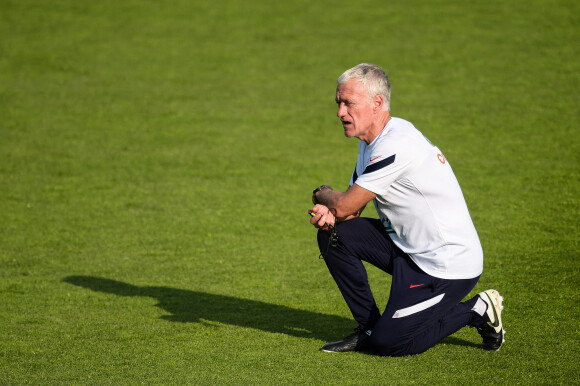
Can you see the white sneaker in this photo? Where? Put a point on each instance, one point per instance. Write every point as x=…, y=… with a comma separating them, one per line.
x=492, y=331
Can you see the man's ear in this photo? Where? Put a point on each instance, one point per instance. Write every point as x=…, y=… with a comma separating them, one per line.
x=378, y=103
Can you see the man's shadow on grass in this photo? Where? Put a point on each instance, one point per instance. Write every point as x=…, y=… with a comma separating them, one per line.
x=194, y=306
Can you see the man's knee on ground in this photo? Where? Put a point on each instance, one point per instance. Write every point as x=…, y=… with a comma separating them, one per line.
x=386, y=344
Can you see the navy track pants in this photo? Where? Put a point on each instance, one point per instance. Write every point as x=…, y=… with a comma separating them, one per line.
x=421, y=310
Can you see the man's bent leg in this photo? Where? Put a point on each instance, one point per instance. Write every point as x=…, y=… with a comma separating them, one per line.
x=421, y=311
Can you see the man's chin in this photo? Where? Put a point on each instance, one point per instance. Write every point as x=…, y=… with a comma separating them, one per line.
x=348, y=133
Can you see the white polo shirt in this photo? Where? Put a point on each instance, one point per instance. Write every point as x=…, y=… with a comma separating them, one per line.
x=419, y=201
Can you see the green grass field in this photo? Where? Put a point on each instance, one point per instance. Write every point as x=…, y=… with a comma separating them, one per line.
x=157, y=162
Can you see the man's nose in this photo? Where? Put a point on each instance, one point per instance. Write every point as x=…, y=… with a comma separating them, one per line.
x=341, y=110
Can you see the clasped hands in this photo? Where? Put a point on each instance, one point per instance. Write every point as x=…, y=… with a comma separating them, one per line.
x=323, y=218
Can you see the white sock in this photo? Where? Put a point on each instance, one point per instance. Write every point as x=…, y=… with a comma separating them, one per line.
x=480, y=307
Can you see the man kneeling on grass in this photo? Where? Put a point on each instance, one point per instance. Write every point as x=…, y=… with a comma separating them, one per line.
x=425, y=237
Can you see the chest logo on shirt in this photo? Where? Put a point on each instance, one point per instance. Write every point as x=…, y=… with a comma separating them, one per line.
x=375, y=158
x=441, y=158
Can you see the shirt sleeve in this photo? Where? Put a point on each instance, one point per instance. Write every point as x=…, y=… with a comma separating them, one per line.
x=389, y=163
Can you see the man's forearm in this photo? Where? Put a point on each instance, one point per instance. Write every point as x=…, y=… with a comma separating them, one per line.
x=327, y=197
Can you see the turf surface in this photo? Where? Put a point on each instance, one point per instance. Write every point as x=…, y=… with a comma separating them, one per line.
x=157, y=160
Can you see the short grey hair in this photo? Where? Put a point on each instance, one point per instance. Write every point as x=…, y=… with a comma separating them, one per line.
x=373, y=78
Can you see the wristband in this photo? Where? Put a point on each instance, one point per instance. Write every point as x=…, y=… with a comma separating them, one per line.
x=321, y=187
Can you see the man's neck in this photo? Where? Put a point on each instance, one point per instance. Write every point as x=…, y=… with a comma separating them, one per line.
x=377, y=127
